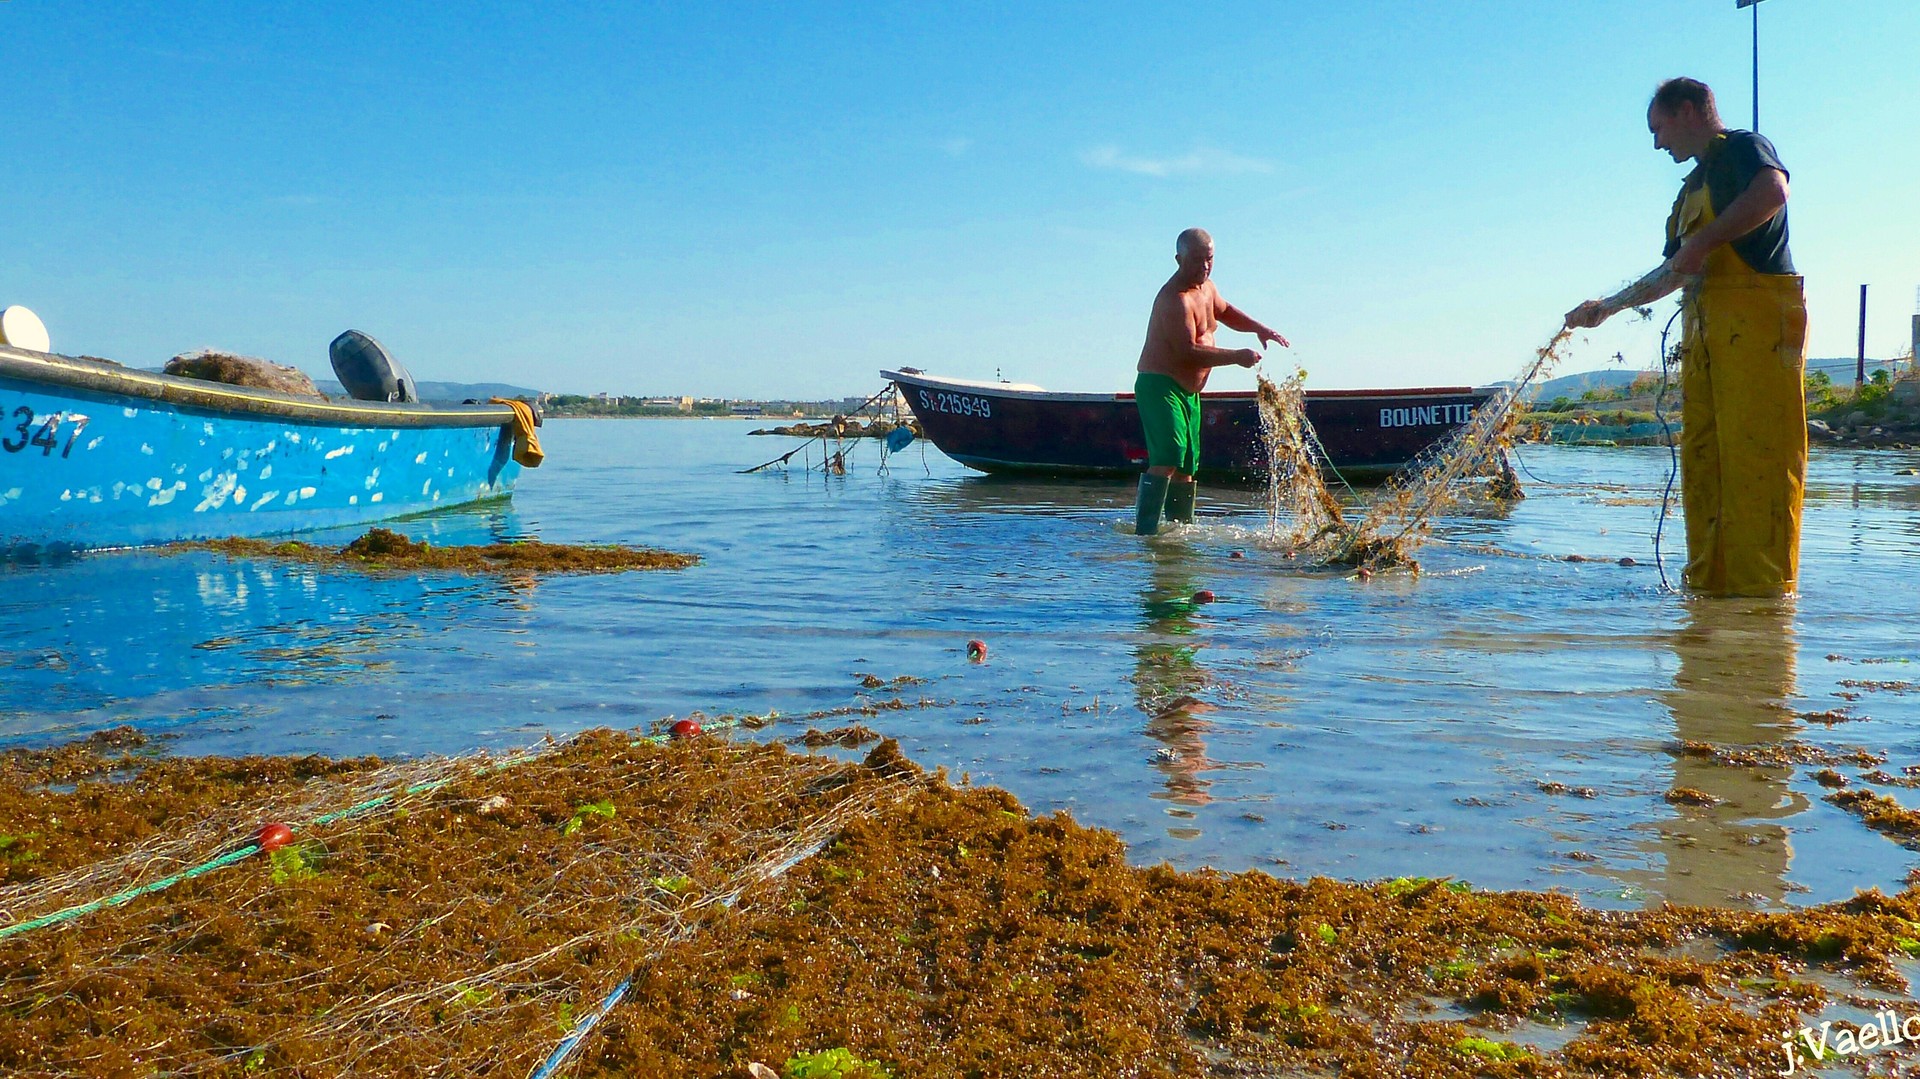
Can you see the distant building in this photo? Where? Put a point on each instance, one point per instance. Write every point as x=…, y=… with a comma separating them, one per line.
x=889, y=401
x=745, y=408
x=678, y=404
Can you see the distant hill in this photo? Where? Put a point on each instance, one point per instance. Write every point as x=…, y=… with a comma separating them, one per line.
x=1840, y=369
x=1575, y=385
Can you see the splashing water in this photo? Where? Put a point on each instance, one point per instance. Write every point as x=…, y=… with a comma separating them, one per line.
x=1294, y=484
x=1400, y=517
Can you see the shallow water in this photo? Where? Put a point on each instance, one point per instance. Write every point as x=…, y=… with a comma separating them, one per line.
x=1306, y=723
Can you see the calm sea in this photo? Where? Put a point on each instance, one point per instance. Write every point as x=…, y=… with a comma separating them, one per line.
x=1510, y=717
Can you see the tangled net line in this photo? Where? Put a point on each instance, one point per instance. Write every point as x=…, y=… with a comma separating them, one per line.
x=457, y=933
x=1295, y=487
x=195, y=845
x=1399, y=518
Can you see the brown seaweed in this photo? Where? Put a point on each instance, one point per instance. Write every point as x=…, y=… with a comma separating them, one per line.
x=383, y=550
x=934, y=931
x=232, y=370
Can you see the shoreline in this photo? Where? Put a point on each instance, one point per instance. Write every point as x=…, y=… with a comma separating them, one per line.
x=610, y=416
x=768, y=904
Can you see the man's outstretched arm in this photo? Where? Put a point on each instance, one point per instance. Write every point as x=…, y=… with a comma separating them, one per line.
x=1755, y=206
x=1235, y=319
x=1663, y=280
x=1203, y=355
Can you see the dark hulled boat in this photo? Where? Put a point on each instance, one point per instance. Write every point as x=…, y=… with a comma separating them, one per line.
x=1007, y=427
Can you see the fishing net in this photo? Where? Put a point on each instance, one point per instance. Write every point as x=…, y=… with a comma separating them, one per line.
x=844, y=919
x=886, y=412
x=165, y=846
x=1296, y=492
x=431, y=917
x=1471, y=462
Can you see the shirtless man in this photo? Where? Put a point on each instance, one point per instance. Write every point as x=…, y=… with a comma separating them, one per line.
x=1173, y=369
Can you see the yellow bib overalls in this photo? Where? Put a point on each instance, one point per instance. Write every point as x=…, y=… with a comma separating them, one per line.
x=1743, y=447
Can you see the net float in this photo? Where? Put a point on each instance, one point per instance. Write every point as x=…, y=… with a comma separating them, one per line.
x=273, y=836
x=684, y=728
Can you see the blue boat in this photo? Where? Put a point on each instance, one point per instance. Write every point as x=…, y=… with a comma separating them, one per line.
x=94, y=455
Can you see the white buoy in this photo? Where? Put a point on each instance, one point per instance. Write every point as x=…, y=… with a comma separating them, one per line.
x=22, y=328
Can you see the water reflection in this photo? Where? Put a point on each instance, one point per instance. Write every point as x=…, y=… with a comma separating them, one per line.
x=493, y=521
x=1017, y=495
x=1167, y=681
x=164, y=639
x=1733, y=688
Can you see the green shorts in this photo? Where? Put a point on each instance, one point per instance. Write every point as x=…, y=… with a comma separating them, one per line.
x=1171, y=418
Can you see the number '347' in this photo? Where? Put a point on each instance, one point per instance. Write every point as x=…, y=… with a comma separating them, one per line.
x=21, y=432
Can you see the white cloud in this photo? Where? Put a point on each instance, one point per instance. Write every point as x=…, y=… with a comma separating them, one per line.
x=1201, y=159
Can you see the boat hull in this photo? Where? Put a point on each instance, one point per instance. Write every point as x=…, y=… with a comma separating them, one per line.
x=1368, y=434
x=93, y=455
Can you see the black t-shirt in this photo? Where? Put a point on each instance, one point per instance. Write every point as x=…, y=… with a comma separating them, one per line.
x=1729, y=165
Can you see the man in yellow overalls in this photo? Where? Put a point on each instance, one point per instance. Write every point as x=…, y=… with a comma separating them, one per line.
x=1743, y=448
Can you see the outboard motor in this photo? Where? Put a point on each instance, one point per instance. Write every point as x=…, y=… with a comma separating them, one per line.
x=368, y=371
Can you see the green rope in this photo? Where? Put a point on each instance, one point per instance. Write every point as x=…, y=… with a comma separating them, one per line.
x=251, y=849
x=224, y=860
x=131, y=894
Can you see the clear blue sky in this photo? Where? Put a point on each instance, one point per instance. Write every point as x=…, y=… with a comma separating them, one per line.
x=777, y=200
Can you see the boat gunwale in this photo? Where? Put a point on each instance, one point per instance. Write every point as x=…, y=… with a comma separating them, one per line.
x=56, y=372
x=1027, y=393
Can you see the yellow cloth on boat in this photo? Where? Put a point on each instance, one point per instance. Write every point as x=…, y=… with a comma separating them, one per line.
x=526, y=444
x=1743, y=443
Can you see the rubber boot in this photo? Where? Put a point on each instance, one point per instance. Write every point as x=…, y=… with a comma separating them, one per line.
x=1153, y=497
x=1180, y=500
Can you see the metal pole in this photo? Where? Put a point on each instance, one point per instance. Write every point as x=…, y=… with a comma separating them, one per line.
x=1913, y=346
x=1860, y=366
x=1756, y=65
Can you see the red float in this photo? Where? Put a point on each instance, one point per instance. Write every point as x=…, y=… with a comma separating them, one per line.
x=684, y=728
x=976, y=650
x=1205, y=595
x=273, y=836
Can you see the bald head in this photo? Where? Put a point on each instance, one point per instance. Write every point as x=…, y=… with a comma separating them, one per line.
x=1191, y=243
x=1194, y=252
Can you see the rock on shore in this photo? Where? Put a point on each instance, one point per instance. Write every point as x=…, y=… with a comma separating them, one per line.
x=846, y=428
